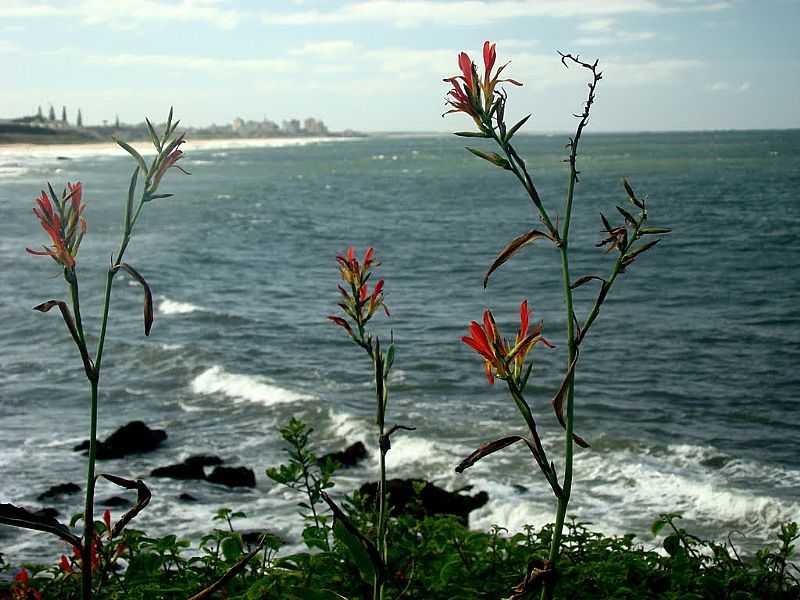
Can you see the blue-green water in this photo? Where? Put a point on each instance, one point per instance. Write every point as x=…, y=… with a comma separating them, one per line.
x=688, y=386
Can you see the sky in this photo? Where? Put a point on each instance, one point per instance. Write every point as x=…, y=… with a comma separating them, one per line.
x=378, y=65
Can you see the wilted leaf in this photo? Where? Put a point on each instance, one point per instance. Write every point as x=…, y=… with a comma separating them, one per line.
x=229, y=574
x=142, y=499
x=488, y=448
x=148, y=296
x=492, y=157
x=514, y=245
x=363, y=550
x=583, y=280
x=73, y=331
x=558, y=403
x=19, y=517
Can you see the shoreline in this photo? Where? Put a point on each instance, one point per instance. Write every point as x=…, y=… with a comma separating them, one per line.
x=110, y=148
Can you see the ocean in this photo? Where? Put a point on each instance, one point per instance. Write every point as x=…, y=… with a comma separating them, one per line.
x=687, y=389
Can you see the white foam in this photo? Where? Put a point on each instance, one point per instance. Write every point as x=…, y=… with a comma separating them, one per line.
x=173, y=307
x=17, y=152
x=243, y=388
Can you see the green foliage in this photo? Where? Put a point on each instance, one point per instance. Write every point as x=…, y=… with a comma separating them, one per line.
x=308, y=476
x=438, y=558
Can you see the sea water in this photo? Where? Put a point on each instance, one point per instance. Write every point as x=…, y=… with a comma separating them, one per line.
x=687, y=387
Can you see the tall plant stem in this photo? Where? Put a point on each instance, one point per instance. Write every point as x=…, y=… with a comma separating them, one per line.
x=88, y=510
x=566, y=485
x=377, y=590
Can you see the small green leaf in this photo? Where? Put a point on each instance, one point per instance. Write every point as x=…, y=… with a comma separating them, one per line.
x=492, y=157
x=132, y=151
x=516, y=127
x=231, y=548
x=389, y=360
x=672, y=544
x=129, y=205
x=654, y=230
x=357, y=551
x=657, y=526
x=472, y=134
x=153, y=135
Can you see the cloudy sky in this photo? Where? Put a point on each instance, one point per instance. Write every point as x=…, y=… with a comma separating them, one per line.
x=378, y=64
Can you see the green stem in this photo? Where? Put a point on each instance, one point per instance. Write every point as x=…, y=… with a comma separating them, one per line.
x=566, y=486
x=88, y=511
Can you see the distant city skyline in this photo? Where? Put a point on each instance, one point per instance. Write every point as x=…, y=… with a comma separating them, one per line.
x=377, y=65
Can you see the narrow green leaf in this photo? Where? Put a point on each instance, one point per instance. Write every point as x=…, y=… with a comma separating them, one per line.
x=389, y=360
x=130, y=150
x=516, y=127
x=472, y=134
x=631, y=255
x=631, y=195
x=492, y=157
x=654, y=230
x=129, y=205
x=628, y=216
x=153, y=135
x=357, y=551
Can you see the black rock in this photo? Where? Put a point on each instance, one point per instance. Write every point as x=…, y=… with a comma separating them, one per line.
x=133, y=438
x=349, y=457
x=187, y=498
x=203, y=460
x=180, y=471
x=251, y=537
x=233, y=476
x=62, y=489
x=421, y=498
x=115, y=501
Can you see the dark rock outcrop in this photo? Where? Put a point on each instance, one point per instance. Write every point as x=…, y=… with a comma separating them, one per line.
x=115, y=501
x=187, y=498
x=204, y=460
x=233, y=476
x=132, y=438
x=349, y=457
x=46, y=513
x=421, y=498
x=180, y=471
x=62, y=489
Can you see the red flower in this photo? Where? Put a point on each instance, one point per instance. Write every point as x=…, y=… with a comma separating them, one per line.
x=500, y=360
x=174, y=155
x=65, y=565
x=359, y=304
x=107, y=520
x=467, y=99
x=21, y=588
x=63, y=223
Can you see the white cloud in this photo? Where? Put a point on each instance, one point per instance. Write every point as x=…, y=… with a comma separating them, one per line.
x=475, y=12
x=615, y=37
x=325, y=48
x=201, y=63
x=126, y=14
x=596, y=25
x=727, y=86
